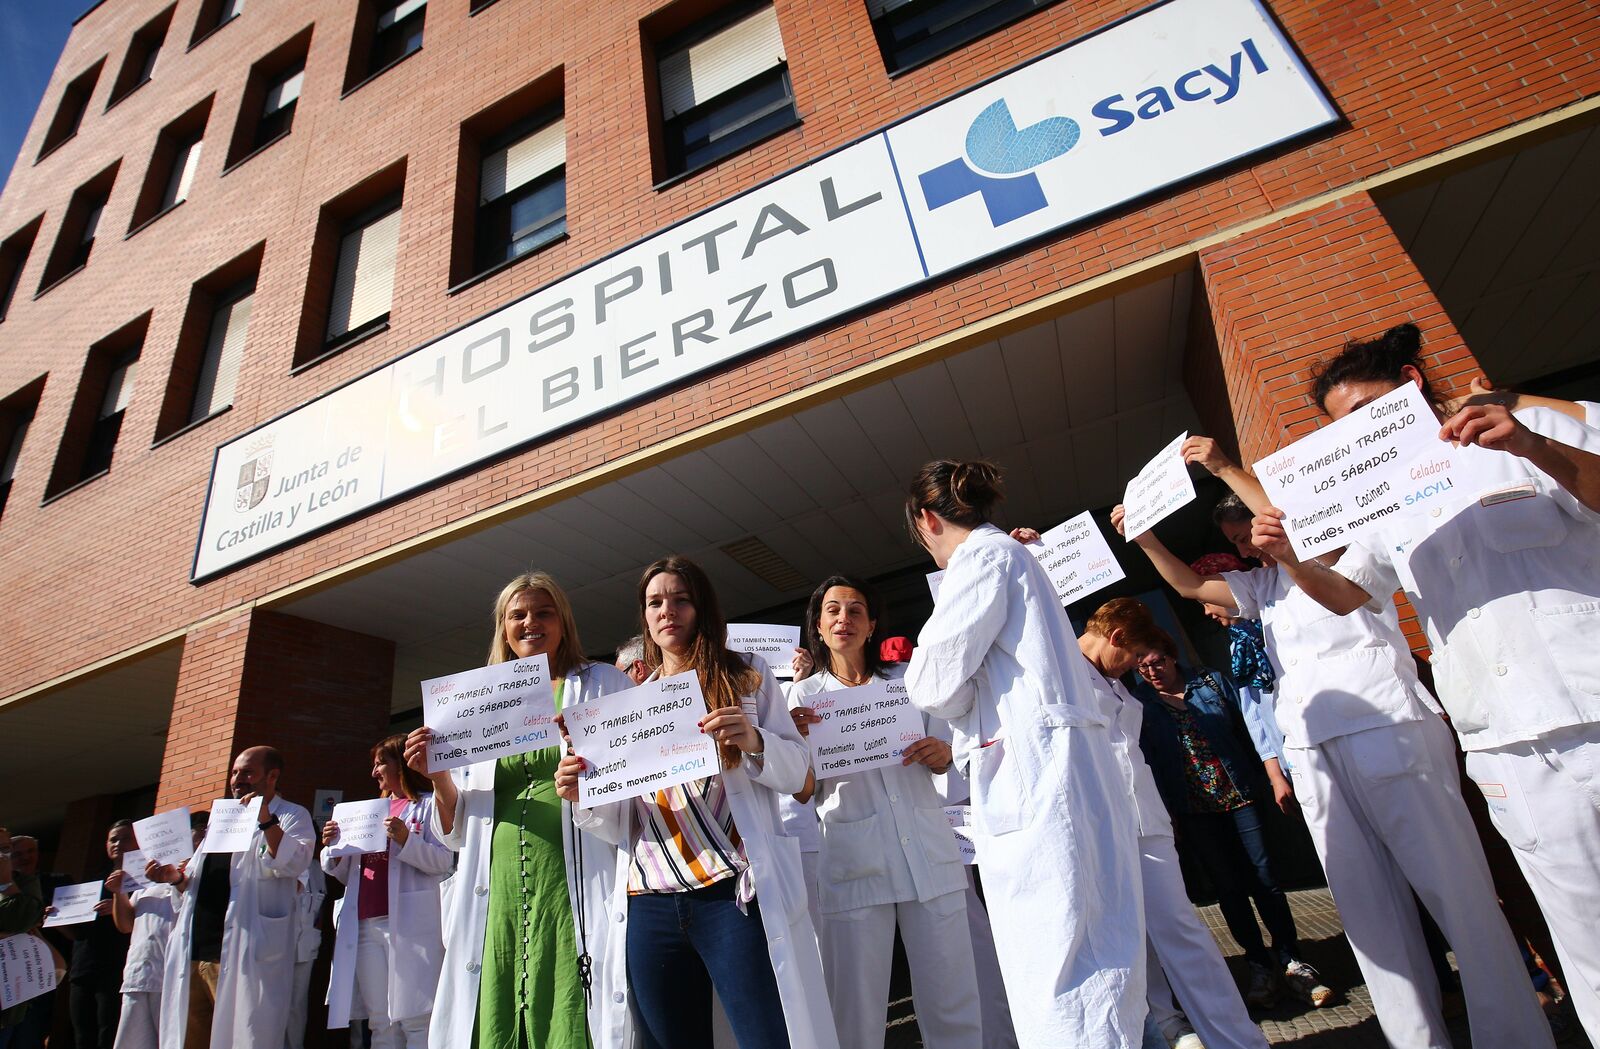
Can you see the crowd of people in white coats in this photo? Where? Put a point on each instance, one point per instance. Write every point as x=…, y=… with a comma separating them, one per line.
x=759, y=907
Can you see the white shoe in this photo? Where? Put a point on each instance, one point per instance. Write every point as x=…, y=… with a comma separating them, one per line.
x=1188, y=1041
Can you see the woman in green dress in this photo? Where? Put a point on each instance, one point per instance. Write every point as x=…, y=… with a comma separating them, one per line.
x=527, y=928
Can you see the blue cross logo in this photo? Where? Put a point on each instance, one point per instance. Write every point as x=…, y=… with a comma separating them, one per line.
x=1004, y=156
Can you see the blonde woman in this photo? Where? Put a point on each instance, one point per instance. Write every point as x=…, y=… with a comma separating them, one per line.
x=533, y=957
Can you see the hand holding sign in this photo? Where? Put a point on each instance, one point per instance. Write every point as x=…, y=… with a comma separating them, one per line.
x=641, y=740
x=1383, y=459
x=27, y=969
x=864, y=727
x=73, y=904
x=232, y=826
x=165, y=837
x=1077, y=558
x=774, y=644
x=1158, y=489
x=360, y=827
x=480, y=715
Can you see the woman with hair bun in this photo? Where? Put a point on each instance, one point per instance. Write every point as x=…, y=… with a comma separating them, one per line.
x=1054, y=827
x=1503, y=568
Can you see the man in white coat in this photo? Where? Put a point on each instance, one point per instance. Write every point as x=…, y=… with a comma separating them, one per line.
x=229, y=970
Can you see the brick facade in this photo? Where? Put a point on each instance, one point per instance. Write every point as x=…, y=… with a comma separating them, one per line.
x=1410, y=78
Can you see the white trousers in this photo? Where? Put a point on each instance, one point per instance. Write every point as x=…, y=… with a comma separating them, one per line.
x=1189, y=954
x=372, y=991
x=1164, y=1012
x=858, y=953
x=294, y=1034
x=1385, y=812
x=1544, y=799
x=992, y=1003
x=140, y=1024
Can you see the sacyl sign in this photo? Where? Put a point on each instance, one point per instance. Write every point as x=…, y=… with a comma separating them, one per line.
x=1062, y=138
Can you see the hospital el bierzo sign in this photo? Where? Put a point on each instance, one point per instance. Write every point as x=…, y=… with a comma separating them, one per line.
x=1161, y=96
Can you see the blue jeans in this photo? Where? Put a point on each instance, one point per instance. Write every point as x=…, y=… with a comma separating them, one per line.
x=680, y=946
x=1232, y=847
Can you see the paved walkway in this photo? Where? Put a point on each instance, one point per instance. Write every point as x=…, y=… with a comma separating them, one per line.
x=1346, y=1023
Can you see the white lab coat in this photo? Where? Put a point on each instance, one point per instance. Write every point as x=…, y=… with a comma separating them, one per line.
x=1188, y=953
x=774, y=860
x=416, y=946
x=1054, y=827
x=259, y=937
x=466, y=898
x=313, y=890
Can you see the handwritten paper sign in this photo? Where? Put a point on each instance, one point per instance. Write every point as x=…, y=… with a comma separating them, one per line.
x=27, y=969
x=133, y=864
x=165, y=837
x=960, y=819
x=642, y=740
x=232, y=826
x=1382, y=460
x=360, y=827
x=1077, y=558
x=74, y=904
x=862, y=728
x=935, y=580
x=493, y=712
x=1159, y=488
x=775, y=644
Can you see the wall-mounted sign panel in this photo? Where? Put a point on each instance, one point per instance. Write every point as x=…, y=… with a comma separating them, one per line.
x=1164, y=95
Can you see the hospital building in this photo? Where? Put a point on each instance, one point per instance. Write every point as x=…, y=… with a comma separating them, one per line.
x=321, y=319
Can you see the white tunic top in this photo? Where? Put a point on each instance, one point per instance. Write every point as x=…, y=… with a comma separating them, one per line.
x=1127, y=719
x=154, y=911
x=885, y=838
x=1336, y=674
x=1505, y=575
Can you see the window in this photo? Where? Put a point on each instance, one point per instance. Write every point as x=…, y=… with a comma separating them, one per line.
x=219, y=368
x=16, y=412
x=363, y=281
x=277, y=112
x=395, y=33
x=78, y=229
x=139, y=64
x=69, y=112
x=173, y=165
x=271, y=96
x=522, y=193
x=724, y=90
x=211, y=346
x=214, y=14
x=912, y=32
x=94, y=422
x=14, y=252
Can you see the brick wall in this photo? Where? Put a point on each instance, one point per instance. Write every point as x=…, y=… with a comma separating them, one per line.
x=1411, y=78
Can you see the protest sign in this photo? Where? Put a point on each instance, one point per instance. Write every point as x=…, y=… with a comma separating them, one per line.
x=935, y=580
x=133, y=864
x=232, y=826
x=1159, y=488
x=775, y=644
x=960, y=819
x=493, y=712
x=360, y=827
x=1076, y=557
x=1382, y=460
x=74, y=904
x=165, y=836
x=864, y=727
x=26, y=969
x=641, y=740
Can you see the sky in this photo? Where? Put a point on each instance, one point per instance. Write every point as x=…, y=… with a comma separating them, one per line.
x=32, y=33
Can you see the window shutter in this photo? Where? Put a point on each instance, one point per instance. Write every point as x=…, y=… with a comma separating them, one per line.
x=720, y=62
x=537, y=153
x=364, y=283
x=184, y=165
x=398, y=11
x=282, y=93
x=219, y=369
x=119, y=389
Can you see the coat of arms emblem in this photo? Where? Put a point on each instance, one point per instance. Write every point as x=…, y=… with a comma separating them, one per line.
x=254, y=475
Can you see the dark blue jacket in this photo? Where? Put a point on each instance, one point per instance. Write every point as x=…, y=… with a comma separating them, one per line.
x=1214, y=699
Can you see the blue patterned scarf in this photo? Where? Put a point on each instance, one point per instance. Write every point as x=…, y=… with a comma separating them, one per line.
x=1251, y=667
